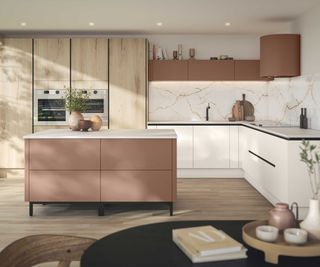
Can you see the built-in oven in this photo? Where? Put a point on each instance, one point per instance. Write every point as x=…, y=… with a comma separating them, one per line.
x=49, y=107
x=97, y=104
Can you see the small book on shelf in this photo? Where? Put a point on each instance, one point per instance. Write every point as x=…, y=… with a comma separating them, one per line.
x=206, y=243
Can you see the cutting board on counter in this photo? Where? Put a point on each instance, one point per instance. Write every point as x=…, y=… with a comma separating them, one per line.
x=242, y=108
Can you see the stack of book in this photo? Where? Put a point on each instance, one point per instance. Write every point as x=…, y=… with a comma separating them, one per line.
x=206, y=243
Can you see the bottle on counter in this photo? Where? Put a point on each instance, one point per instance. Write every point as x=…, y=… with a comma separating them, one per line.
x=305, y=119
x=301, y=118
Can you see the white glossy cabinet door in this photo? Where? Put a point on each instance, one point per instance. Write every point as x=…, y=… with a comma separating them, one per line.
x=234, y=147
x=184, y=145
x=211, y=147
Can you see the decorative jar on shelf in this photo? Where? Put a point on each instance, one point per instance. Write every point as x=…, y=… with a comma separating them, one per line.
x=312, y=222
x=74, y=119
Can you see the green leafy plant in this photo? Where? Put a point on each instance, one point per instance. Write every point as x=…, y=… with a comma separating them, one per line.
x=76, y=100
x=310, y=155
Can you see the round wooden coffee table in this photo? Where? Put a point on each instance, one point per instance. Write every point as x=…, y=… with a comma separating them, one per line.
x=152, y=246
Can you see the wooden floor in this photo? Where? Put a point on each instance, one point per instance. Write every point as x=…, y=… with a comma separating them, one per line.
x=198, y=199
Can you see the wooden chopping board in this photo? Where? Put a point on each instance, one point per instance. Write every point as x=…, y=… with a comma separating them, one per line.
x=242, y=108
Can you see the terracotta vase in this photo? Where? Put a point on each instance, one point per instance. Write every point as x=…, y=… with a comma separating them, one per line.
x=312, y=222
x=281, y=217
x=74, y=118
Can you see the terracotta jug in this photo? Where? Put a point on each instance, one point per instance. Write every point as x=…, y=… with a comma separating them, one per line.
x=282, y=217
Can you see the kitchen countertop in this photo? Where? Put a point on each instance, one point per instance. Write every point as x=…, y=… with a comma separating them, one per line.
x=104, y=134
x=283, y=131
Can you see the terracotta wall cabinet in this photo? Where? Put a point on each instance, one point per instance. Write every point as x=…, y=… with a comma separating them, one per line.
x=204, y=70
x=211, y=70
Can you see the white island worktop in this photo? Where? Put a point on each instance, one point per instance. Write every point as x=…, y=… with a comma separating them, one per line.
x=104, y=134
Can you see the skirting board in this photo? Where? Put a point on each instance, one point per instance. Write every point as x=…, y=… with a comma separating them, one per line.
x=11, y=173
x=209, y=173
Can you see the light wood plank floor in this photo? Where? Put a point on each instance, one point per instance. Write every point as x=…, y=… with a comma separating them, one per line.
x=198, y=199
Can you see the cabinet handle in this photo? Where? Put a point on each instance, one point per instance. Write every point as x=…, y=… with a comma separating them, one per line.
x=267, y=161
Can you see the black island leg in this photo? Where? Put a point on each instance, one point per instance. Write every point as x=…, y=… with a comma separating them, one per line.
x=171, y=208
x=101, y=209
x=30, y=209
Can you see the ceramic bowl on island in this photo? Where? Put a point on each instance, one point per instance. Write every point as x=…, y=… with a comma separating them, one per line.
x=295, y=236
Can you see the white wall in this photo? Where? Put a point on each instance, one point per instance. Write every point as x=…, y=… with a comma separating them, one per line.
x=308, y=25
x=237, y=46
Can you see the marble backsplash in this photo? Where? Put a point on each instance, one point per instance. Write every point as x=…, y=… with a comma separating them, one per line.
x=279, y=100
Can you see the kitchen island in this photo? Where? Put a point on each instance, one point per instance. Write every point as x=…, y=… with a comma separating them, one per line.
x=111, y=166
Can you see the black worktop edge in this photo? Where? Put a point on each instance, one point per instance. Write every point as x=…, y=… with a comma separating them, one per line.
x=237, y=124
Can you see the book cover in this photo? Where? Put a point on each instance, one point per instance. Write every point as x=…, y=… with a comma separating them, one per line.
x=207, y=240
x=196, y=258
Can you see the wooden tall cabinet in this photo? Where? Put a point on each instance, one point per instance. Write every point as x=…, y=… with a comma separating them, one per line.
x=15, y=100
x=52, y=63
x=89, y=63
x=128, y=83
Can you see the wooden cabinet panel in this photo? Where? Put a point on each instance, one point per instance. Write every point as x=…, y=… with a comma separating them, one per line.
x=78, y=154
x=247, y=70
x=52, y=63
x=136, y=154
x=211, y=70
x=128, y=83
x=211, y=147
x=89, y=63
x=136, y=186
x=64, y=186
x=169, y=70
x=15, y=100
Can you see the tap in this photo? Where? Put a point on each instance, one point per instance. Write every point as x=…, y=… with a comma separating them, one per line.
x=207, y=112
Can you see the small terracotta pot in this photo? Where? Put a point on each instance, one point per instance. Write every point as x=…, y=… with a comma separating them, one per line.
x=282, y=217
x=85, y=125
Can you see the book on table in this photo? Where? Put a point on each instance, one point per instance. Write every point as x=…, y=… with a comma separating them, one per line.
x=206, y=243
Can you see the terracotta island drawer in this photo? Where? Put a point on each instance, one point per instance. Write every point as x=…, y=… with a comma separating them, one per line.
x=136, y=186
x=136, y=154
x=64, y=186
x=65, y=154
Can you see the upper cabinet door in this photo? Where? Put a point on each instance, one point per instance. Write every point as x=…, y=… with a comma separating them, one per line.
x=211, y=70
x=168, y=70
x=52, y=63
x=247, y=70
x=128, y=83
x=89, y=63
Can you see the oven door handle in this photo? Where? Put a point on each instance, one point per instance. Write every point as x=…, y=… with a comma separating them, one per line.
x=53, y=109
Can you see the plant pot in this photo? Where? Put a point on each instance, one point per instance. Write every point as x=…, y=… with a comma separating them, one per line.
x=74, y=118
x=312, y=222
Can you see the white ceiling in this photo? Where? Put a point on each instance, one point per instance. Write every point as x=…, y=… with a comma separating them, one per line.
x=141, y=16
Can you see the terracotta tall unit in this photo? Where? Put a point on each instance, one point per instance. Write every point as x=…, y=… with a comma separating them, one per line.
x=280, y=55
x=128, y=83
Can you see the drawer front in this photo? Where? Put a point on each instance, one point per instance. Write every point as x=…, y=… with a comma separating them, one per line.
x=64, y=186
x=136, y=154
x=136, y=186
x=68, y=154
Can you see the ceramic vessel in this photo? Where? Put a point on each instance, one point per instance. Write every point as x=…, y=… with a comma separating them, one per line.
x=74, y=118
x=96, y=123
x=85, y=125
x=282, y=217
x=267, y=233
x=312, y=222
x=295, y=236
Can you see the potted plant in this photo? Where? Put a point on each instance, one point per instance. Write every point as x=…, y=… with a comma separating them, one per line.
x=75, y=103
x=310, y=155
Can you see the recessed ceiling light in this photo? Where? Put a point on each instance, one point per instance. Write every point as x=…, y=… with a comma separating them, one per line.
x=227, y=24
x=91, y=24
x=159, y=24
x=23, y=24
